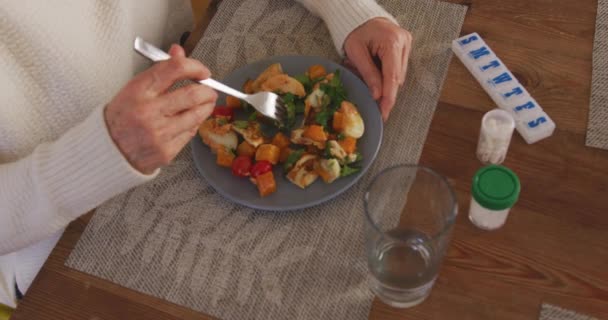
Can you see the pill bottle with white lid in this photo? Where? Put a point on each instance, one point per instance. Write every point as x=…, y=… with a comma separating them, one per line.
x=495, y=191
x=497, y=128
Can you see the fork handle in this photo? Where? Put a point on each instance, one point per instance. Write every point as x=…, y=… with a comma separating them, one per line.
x=223, y=88
x=155, y=54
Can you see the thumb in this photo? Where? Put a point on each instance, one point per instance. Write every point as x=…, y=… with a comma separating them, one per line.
x=359, y=55
x=177, y=51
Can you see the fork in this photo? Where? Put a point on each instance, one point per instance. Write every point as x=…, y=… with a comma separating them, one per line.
x=268, y=104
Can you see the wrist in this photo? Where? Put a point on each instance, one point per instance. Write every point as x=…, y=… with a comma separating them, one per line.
x=125, y=149
x=344, y=17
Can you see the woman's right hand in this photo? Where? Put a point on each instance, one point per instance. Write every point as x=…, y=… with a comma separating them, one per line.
x=149, y=124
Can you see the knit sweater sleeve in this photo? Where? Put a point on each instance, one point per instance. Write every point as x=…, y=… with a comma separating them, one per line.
x=59, y=181
x=344, y=16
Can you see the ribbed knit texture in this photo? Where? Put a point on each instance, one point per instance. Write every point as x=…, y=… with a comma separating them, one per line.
x=60, y=181
x=343, y=16
x=62, y=61
x=7, y=280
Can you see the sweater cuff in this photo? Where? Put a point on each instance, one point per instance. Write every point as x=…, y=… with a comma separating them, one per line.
x=342, y=17
x=84, y=168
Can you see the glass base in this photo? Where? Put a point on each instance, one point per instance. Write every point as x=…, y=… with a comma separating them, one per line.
x=400, y=297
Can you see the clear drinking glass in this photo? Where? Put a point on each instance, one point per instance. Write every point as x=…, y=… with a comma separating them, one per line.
x=410, y=211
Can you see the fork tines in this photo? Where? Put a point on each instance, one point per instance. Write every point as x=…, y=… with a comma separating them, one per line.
x=281, y=110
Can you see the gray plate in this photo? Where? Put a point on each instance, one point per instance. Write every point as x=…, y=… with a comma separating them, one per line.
x=288, y=195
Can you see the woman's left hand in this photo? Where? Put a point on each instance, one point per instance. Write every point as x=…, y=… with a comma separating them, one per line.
x=381, y=38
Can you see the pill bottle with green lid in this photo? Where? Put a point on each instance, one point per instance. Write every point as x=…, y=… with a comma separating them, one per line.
x=495, y=191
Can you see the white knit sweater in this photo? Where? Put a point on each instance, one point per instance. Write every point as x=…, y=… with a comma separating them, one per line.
x=62, y=61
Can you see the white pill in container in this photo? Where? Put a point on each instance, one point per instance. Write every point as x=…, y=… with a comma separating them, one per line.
x=495, y=191
x=497, y=128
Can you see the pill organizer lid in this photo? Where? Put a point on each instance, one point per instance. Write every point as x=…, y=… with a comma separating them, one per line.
x=495, y=187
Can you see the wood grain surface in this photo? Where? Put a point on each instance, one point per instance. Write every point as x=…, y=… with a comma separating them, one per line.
x=554, y=247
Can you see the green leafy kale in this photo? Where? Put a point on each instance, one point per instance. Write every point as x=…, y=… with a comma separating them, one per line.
x=335, y=81
x=334, y=95
x=241, y=124
x=300, y=107
x=288, y=97
x=317, y=80
x=305, y=81
x=290, y=101
x=346, y=171
x=326, y=101
x=292, y=159
x=291, y=115
x=323, y=117
x=327, y=154
x=335, y=91
x=245, y=105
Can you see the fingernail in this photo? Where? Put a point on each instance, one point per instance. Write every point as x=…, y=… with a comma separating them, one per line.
x=385, y=115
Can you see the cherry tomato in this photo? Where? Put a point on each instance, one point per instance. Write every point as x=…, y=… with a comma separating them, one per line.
x=260, y=168
x=223, y=111
x=241, y=166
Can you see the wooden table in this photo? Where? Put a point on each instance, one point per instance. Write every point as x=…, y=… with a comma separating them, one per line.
x=554, y=247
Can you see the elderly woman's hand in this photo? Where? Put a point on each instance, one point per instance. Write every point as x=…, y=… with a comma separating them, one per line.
x=391, y=44
x=151, y=125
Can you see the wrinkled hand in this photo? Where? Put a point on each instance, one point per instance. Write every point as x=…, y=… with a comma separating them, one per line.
x=391, y=44
x=151, y=125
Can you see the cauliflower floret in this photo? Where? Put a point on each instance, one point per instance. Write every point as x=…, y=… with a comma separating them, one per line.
x=353, y=123
x=252, y=133
x=303, y=172
x=328, y=169
x=336, y=150
x=315, y=99
x=215, y=134
x=327, y=79
x=351, y=158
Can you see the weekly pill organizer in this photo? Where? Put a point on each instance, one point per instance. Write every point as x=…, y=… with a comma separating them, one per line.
x=532, y=123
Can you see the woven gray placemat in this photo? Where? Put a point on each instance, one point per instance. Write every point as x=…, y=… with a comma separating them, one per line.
x=597, y=129
x=177, y=239
x=551, y=312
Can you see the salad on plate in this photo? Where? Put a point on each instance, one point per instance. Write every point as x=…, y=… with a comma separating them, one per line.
x=318, y=139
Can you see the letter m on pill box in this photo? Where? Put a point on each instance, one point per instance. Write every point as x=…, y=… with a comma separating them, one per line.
x=532, y=123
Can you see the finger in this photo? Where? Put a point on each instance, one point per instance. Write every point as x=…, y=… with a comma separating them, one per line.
x=405, y=60
x=361, y=58
x=351, y=66
x=391, y=69
x=189, y=119
x=184, y=98
x=177, y=51
x=160, y=77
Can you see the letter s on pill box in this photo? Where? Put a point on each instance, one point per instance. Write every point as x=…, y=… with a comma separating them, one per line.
x=532, y=123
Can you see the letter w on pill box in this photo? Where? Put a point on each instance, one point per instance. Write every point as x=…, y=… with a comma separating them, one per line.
x=532, y=123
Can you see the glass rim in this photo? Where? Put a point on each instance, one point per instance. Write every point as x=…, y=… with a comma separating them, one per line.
x=453, y=206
